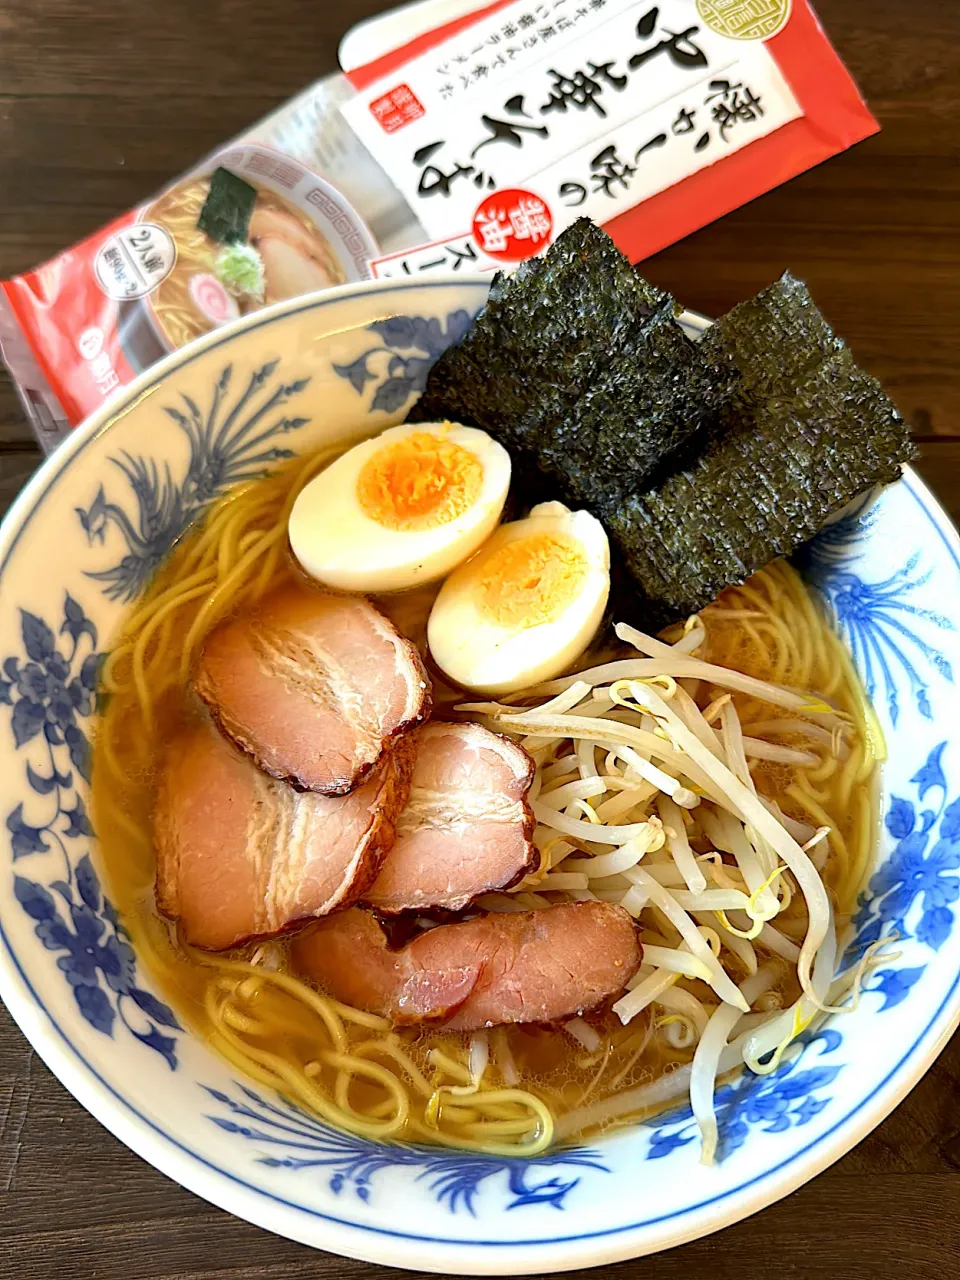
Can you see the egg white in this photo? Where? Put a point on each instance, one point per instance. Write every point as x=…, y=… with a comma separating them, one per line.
x=480, y=654
x=340, y=545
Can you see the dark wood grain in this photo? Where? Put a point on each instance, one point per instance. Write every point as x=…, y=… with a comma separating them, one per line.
x=100, y=102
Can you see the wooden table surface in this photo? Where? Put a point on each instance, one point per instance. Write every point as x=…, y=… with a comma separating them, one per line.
x=101, y=101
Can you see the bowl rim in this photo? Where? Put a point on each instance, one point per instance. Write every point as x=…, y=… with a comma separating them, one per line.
x=368, y=1241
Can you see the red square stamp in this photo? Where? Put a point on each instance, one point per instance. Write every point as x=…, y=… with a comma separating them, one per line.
x=398, y=107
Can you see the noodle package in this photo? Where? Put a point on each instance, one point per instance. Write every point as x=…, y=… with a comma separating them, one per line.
x=457, y=137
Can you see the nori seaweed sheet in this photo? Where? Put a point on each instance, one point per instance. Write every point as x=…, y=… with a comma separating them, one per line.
x=556, y=320
x=803, y=432
x=226, y=212
x=577, y=366
x=704, y=461
x=642, y=409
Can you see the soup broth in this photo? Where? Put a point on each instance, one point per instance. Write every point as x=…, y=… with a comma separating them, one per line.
x=514, y=1090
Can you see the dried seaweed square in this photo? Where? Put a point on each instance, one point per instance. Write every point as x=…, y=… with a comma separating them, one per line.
x=578, y=366
x=802, y=432
x=226, y=212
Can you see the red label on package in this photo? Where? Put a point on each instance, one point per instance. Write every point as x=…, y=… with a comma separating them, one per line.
x=512, y=225
x=396, y=108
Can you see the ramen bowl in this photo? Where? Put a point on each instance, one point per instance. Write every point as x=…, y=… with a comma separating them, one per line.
x=81, y=543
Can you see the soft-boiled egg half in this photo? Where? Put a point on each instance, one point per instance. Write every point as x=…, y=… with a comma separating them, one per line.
x=526, y=606
x=402, y=509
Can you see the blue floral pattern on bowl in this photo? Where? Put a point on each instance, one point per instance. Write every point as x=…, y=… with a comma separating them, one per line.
x=229, y=443
x=50, y=689
x=454, y=1177
x=398, y=364
x=912, y=893
x=789, y=1097
x=887, y=632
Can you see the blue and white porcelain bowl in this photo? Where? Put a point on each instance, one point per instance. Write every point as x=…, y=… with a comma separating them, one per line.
x=78, y=546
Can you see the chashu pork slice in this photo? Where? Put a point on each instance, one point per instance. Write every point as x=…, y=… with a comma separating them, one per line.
x=466, y=828
x=532, y=966
x=313, y=686
x=241, y=855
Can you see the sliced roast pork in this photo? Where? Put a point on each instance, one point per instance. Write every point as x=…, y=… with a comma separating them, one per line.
x=313, y=686
x=531, y=966
x=241, y=855
x=466, y=828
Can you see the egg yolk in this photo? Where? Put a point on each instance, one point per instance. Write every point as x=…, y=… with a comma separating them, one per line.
x=531, y=580
x=420, y=482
